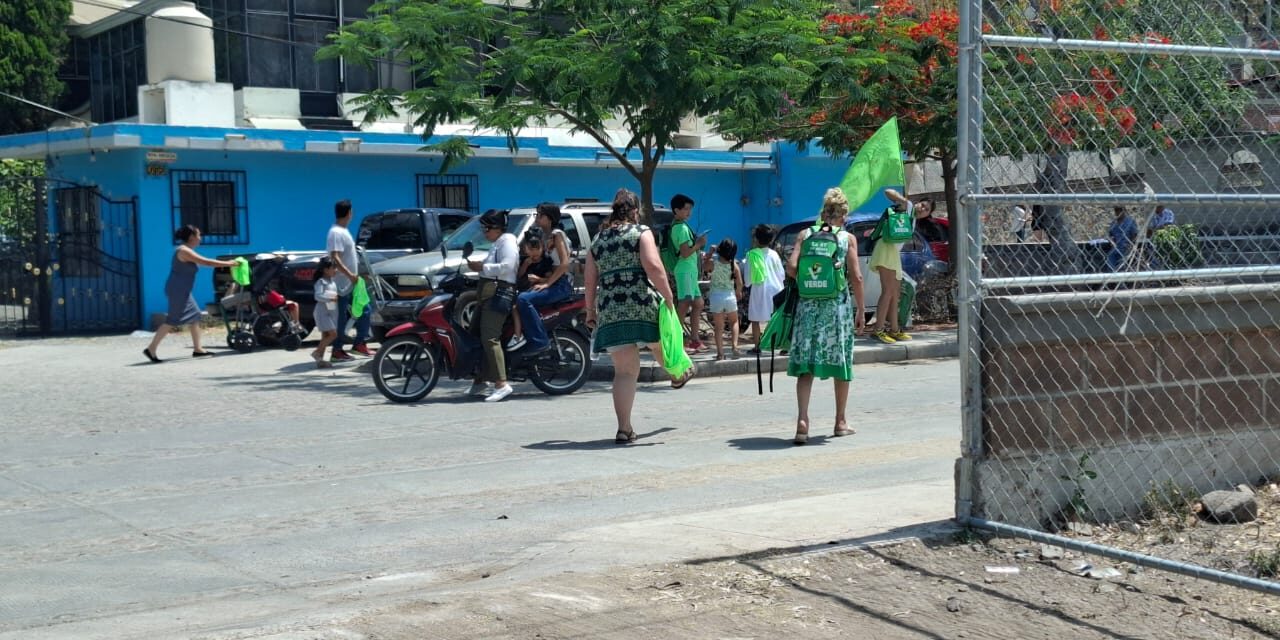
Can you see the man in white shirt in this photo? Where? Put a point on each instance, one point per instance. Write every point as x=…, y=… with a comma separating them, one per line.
x=342, y=249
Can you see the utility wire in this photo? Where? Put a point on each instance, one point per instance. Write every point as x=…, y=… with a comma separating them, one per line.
x=45, y=107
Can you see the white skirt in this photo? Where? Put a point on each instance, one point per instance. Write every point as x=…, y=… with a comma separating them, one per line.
x=760, y=305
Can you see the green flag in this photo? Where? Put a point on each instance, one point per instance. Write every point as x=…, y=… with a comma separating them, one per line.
x=877, y=166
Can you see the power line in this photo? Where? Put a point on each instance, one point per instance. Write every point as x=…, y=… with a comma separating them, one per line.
x=45, y=107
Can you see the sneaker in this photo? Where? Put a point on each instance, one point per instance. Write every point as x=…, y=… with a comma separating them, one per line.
x=479, y=389
x=500, y=393
x=883, y=336
x=516, y=342
x=362, y=349
x=341, y=356
x=900, y=336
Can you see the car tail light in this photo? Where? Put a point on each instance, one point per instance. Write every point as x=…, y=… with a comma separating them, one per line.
x=306, y=273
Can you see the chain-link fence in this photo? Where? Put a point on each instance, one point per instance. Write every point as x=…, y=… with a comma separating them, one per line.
x=1120, y=294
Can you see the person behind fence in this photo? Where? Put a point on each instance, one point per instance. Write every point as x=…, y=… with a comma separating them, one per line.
x=341, y=247
x=544, y=288
x=494, y=302
x=886, y=262
x=1123, y=234
x=1161, y=217
x=625, y=282
x=326, y=312
x=724, y=294
x=182, y=279
x=1020, y=223
x=824, y=262
x=535, y=267
x=767, y=278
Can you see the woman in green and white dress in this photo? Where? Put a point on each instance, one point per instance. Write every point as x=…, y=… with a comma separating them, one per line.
x=822, y=340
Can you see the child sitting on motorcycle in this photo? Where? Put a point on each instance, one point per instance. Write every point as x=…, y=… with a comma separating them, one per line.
x=534, y=269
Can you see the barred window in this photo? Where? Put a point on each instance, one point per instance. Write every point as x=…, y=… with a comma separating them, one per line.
x=213, y=201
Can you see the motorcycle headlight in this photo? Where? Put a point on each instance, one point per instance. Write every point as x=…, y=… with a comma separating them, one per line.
x=412, y=281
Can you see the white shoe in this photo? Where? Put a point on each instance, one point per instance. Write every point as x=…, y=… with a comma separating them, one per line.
x=479, y=389
x=516, y=342
x=500, y=393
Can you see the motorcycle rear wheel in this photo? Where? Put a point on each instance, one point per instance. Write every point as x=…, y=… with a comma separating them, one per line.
x=405, y=370
x=562, y=376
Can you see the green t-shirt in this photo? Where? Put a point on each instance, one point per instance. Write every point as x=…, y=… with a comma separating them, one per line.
x=681, y=235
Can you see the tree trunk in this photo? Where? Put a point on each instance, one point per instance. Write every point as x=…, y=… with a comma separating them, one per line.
x=647, y=171
x=949, y=175
x=1064, y=255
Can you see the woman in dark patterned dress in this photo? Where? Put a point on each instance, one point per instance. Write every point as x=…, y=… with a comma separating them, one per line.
x=182, y=279
x=625, y=267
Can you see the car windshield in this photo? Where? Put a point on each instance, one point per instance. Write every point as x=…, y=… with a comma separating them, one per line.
x=471, y=232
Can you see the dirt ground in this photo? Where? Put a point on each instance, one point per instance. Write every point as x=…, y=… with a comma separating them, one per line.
x=957, y=585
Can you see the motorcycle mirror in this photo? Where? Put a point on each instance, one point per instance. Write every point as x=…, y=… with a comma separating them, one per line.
x=467, y=249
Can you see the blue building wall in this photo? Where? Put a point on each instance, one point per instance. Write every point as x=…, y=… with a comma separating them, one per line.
x=290, y=192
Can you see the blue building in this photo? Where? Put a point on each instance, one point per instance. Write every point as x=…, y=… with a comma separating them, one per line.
x=190, y=139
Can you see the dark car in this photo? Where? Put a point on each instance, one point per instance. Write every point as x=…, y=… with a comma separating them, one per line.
x=916, y=253
x=382, y=236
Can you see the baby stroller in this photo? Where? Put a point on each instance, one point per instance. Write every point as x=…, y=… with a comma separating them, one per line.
x=256, y=314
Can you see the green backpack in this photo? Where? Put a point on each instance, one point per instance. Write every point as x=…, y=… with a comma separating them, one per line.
x=896, y=226
x=820, y=269
x=669, y=253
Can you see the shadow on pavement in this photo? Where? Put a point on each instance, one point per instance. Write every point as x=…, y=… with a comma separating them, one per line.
x=773, y=444
x=596, y=445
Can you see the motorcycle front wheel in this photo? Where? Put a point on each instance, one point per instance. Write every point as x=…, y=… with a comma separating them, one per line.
x=405, y=369
x=567, y=373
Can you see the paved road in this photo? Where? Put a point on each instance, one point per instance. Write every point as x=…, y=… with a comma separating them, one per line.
x=245, y=494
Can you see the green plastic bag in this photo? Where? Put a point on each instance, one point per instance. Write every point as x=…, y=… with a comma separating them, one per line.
x=359, y=298
x=671, y=335
x=240, y=272
x=906, y=301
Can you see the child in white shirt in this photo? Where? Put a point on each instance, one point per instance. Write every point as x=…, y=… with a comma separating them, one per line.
x=766, y=274
x=326, y=313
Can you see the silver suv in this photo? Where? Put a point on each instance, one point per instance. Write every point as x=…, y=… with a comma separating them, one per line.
x=415, y=277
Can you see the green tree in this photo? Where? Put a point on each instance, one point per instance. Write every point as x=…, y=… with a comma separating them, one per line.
x=641, y=66
x=32, y=36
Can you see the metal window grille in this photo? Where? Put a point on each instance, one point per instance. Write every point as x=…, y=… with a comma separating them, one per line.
x=449, y=192
x=214, y=201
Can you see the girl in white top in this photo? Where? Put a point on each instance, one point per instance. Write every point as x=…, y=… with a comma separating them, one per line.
x=726, y=290
x=767, y=275
x=326, y=312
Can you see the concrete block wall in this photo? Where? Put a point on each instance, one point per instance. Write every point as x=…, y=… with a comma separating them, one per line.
x=1174, y=384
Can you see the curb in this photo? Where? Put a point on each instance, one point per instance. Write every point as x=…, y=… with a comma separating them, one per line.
x=939, y=344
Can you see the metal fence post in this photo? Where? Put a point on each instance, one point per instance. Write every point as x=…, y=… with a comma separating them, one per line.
x=969, y=88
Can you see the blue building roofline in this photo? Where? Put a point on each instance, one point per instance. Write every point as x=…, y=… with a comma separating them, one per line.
x=530, y=150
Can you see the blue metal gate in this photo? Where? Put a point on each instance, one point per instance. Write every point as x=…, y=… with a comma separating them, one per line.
x=68, y=259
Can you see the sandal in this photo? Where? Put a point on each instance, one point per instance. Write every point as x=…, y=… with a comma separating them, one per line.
x=625, y=437
x=201, y=354
x=802, y=437
x=841, y=432
x=677, y=383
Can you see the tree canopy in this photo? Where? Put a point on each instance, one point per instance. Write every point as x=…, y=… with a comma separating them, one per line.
x=640, y=66
x=33, y=37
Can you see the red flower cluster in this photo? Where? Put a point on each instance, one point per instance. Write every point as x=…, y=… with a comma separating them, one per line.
x=941, y=25
x=1105, y=85
x=1073, y=110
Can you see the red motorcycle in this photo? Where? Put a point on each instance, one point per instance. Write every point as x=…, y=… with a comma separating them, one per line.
x=413, y=355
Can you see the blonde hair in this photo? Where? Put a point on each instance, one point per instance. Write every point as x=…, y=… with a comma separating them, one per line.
x=834, y=204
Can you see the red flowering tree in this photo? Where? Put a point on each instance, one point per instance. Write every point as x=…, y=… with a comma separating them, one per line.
x=1051, y=103
x=918, y=84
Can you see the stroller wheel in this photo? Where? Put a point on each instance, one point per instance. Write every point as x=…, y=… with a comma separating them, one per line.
x=241, y=341
x=291, y=342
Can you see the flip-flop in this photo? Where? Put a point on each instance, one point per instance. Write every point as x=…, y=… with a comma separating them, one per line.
x=680, y=382
x=201, y=354
x=625, y=437
x=840, y=433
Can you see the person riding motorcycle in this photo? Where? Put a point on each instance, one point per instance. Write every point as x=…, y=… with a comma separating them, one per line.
x=495, y=296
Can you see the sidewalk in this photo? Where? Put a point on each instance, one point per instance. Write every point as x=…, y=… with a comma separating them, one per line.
x=866, y=350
